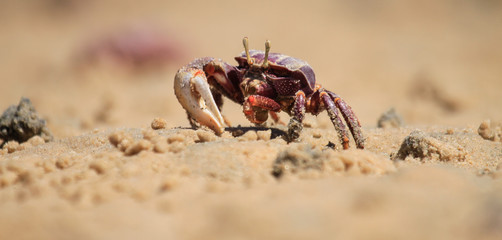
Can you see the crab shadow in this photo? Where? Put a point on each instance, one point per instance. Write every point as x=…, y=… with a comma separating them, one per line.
x=239, y=131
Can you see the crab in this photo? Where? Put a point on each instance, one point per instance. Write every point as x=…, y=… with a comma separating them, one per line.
x=263, y=83
x=136, y=47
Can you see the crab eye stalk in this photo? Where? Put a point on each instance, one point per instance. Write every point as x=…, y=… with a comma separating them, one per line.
x=245, y=41
x=267, y=50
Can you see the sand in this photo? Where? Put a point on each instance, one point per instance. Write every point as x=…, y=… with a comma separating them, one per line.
x=424, y=79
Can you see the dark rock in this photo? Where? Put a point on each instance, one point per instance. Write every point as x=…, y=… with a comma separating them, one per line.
x=390, y=119
x=22, y=122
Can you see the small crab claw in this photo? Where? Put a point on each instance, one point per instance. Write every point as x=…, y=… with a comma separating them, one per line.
x=193, y=93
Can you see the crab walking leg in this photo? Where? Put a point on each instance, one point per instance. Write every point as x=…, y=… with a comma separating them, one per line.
x=335, y=118
x=351, y=119
x=193, y=93
x=295, y=125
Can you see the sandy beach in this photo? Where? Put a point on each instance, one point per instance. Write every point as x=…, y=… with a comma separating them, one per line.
x=119, y=159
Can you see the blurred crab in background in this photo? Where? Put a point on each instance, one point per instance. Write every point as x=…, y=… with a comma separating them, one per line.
x=135, y=48
x=263, y=83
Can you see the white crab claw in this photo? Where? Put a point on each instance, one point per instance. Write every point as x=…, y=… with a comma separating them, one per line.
x=193, y=93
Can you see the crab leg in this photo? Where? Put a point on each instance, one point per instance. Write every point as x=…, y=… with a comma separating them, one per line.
x=194, y=94
x=295, y=125
x=350, y=118
x=330, y=106
x=276, y=118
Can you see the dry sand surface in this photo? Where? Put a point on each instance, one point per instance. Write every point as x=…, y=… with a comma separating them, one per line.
x=123, y=162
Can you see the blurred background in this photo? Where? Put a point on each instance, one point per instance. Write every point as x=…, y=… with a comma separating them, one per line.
x=88, y=64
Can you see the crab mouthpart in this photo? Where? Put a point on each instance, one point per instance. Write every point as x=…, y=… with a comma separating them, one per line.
x=193, y=93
